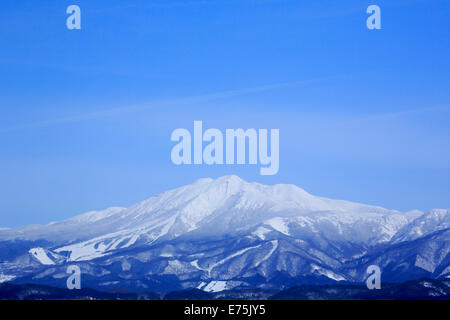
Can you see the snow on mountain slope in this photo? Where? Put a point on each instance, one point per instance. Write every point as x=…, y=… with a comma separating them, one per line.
x=80, y=227
x=41, y=256
x=100, y=246
x=5, y=277
x=213, y=207
x=428, y=256
x=227, y=230
x=228, y=205
x=215, y=286
x=432, y=221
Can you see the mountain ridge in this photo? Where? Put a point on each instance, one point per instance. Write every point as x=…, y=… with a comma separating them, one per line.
x=225, y=233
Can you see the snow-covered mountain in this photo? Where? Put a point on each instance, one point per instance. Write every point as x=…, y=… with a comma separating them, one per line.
x=225, y=233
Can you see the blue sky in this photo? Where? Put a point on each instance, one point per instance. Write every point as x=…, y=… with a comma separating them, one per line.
x=86, y=115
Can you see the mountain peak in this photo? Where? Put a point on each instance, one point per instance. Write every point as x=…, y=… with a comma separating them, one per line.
x=230, y=178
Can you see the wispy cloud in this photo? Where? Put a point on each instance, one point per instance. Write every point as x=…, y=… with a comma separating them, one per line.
x=404, y=113
x=166, y=103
